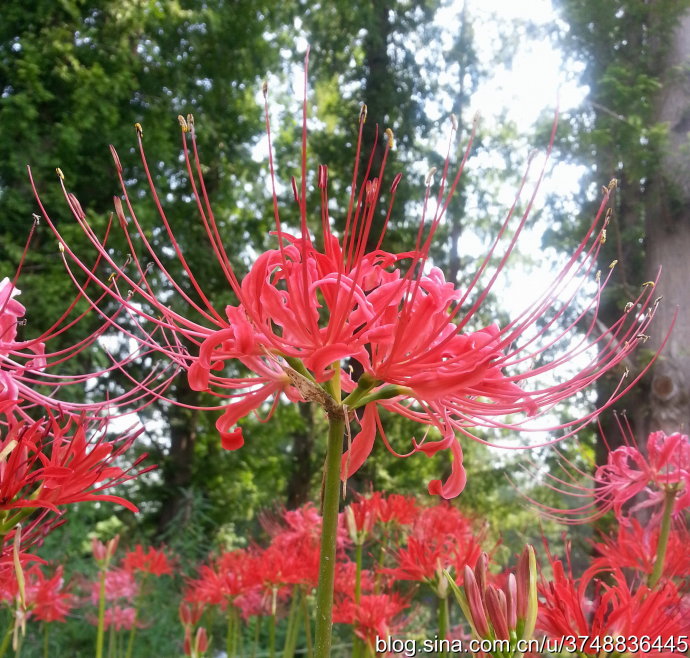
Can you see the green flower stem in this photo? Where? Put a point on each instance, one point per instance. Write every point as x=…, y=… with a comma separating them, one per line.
x=442, y=621
x=111, y=641
x=307, y=625
x=382, y=556
x=292, y=626
x=329, y=530
x=272, y=635
x=6, y=641
x=230, y=635
x=101, y=614
x=257, y=632
x=669, y=502
x=46, y=639
x=358, y=572
x=357, y=643
x=137, y=606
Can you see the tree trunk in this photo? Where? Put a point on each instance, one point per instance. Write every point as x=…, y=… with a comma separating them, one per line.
x=667, y=242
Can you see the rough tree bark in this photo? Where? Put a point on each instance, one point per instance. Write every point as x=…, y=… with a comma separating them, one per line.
x=667, y=241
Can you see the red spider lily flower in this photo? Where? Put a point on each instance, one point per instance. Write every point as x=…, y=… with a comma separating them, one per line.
x=591, y=608
x=253, y=604
x=119, y=584
x=345, y=575
x=45, y=597
x=399, y=509
x=644, y=477
x=45, y=464
x=441, y=539
x=298, y=526
x=361, y=515
x=11, y=312
x=665, y=468
x=26, y=367
x=152, y=561
x=635, y=547
x=120, y=618
x=293, y=554
x=304, y=311
x=376, y=615
x=221, y=582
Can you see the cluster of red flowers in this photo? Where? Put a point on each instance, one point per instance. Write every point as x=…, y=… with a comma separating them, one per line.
x=66, y=456
x=636, y=585
x=121, y=586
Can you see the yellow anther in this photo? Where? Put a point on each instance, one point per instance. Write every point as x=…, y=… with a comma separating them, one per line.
x=648, y=283
x=183, y=123
x=613, y=264
x=140, y=130
x=430, y=176
x=602, y=237
x=190, y=121
x=112, y=277
x=597, y=276
x=363, y=113
x=61, y=247
x=391, y=139
x=59, y=173
x=613, y=184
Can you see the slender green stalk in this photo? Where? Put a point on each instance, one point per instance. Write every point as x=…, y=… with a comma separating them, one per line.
x=257, y=632
x=307, y=625
x=20, y=642
x=382, y=557
x=272, y=635
x=46, y=639
x=133, y=630
x=230, y=635
x=329, y=529
x=442, y=622
x=357, y=643
x=669, y=502
x=272, y=623
x=6, y=641
x=358, y=572
x=101, y=615
x=237, y=642
x=111, y=642
x=293, y=625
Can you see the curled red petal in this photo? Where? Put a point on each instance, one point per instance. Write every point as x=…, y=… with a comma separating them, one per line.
x=454, y=485
x=362, y=444
x=232, y=440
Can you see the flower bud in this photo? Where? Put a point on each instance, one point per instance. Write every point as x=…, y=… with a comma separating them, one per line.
x=496, y=609
x=527, y=604
x=201, y=641
x=476, y=606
